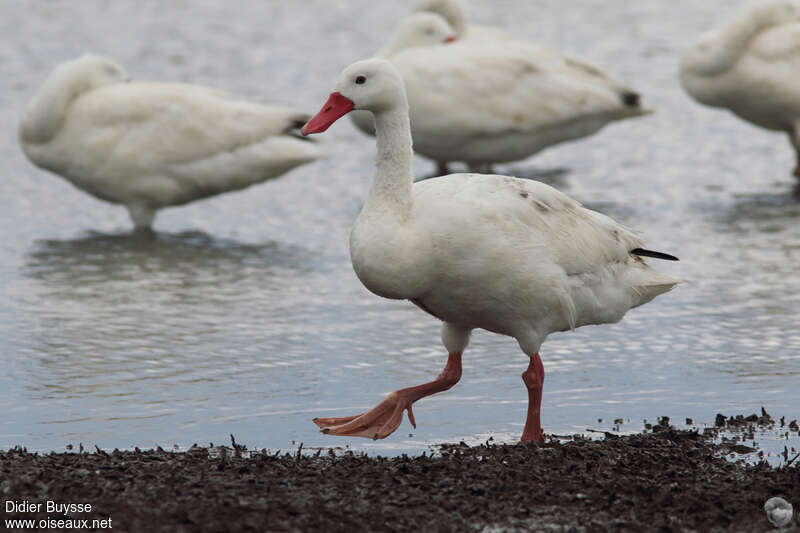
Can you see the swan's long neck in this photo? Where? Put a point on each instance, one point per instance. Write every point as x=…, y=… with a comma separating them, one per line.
x=458, y=20
x=391, y=188
x=394, y=45
x=453, y=12
x=45, y=113
x=718, y=51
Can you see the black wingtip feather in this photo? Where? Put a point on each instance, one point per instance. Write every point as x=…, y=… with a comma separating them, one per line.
x=297, y=122
x=631, y=99
x=655, y=255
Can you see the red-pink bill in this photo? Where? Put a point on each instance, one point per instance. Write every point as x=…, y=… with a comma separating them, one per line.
x=336, y=107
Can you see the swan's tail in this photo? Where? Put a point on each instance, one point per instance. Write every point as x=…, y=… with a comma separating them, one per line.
x=647, y=283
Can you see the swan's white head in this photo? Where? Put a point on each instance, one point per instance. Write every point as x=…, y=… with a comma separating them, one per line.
x=372, y=84
x=92, y=70
x=419, y=29
x=718, y=49
x=451, y=10
x=68, y=81
x=773, y=12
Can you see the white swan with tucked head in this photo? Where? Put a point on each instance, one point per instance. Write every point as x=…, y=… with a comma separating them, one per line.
x=512, y=256
x=152, y=145
x=750, y=66
x=490, y=102
x=485, y=103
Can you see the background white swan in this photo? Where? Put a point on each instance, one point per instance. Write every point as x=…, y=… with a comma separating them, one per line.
x=507, y=255
x=484, y=103
x=750, y=66
x=150, y=145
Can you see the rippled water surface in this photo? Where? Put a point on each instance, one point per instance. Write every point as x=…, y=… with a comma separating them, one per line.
x=244, y=316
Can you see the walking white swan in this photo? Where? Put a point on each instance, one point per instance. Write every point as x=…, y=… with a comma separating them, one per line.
x=749, y=66
x=511, y=256
x=150, y=145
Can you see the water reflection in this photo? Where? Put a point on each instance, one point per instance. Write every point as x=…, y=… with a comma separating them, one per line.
x=113, y=309
x=767, y=212
x=192, y=256
x=744, y=304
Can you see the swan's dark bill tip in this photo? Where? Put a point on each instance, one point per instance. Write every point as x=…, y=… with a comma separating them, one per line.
x=631, y=99
x=656, y=255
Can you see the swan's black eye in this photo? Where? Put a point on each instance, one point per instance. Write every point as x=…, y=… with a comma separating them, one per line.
x=361, y=80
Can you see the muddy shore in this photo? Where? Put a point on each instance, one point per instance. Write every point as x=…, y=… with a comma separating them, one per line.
x=664, y=480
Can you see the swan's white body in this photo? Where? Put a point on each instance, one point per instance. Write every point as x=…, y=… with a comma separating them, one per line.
x=750, y=66
x=507, y=255
x=512, y=256
x=491, y=102
x=152, y=145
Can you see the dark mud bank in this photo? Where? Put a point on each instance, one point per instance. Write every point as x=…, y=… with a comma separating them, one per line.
x=667, y=480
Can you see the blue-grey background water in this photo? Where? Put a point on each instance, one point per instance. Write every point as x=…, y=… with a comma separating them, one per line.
x=245, y=316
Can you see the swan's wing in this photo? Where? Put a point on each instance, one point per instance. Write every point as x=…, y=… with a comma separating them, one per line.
x=490, y=89
x=526, y=216
x=172, y=124
x=168, y=144
x=185, y=88
x=526, y=248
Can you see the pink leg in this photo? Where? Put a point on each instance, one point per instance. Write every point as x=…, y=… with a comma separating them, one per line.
x=381, y=421
x=534, y=380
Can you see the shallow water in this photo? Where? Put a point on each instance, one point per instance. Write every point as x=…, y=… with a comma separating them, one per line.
x=244, y=316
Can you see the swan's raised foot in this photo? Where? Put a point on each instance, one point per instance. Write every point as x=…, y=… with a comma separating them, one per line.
x=377, y=423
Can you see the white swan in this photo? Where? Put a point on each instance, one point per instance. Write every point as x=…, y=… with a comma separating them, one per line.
x=512, y=256
x=490, y=102
x=455, y=14
x=750, y=67
x=152, y=145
